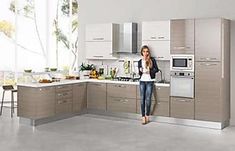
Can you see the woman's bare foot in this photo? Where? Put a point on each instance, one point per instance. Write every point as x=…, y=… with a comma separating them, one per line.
x=146, y=119
x=143, y=120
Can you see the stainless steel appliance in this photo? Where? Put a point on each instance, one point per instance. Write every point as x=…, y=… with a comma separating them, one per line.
x=182, y=84
x=182, y=62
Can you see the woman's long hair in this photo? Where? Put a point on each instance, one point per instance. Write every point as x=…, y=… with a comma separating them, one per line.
x=148, y=62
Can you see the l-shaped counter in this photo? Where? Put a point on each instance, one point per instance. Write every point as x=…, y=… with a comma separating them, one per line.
x=40, y=103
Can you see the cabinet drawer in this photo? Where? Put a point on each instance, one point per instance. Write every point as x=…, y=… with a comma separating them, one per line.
x=123, y=90
x=64, y=106
x=182, y=108
x=158, y=109
x=115, y=104
x=64, y=88
x=159, y=93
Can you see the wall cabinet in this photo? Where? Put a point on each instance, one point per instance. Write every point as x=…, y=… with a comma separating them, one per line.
x=121, y=98
x=182, y=108
x=101, y=41
x=182, y=36
x=79, y=97
x=36, y=103
x=157, y=36
x=208, y=34
x=96, y=96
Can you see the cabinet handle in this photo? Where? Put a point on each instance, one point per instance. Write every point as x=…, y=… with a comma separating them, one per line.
x=98, y=56
x=161, y=37
x=124, y=101
x=158, y=103
x=183, y=100
x=208, y=64
x=120, y=86
x=153, y=37
x=160, y=57
x=96, y=84
x=181, y=48
x=208, y=58
x=98, y=38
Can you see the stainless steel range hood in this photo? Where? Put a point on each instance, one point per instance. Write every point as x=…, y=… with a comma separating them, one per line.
x=128, y=38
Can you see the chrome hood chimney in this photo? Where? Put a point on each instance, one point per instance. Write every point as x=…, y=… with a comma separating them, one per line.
x=128, y=38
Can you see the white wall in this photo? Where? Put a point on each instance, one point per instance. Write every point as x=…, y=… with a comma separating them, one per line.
x=119, y=11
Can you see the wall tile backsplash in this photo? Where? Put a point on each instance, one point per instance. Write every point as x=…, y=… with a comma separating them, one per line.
x=119, y=63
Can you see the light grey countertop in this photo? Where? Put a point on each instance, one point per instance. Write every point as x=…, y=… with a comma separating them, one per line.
x=63, y=82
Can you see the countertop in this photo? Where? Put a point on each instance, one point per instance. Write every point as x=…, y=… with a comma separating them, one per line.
x=63, y=82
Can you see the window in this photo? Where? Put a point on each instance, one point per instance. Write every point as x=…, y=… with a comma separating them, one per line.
x=35, y=34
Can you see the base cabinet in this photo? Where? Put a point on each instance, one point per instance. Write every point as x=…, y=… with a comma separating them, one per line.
x=79, y=97
x=117, y=104
x=96, y=96
x=182, y=108
x=64, y=99
x=36, y=103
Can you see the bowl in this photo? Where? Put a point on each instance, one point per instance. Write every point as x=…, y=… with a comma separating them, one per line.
x=28, y=70
x=53, y=69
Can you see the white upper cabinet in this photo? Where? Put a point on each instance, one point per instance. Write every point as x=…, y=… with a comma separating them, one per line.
x=157, y=30
x=101, y=41
x=159, y=49
x=156, y=35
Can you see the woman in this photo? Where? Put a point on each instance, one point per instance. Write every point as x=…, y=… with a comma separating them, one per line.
x=147, y=69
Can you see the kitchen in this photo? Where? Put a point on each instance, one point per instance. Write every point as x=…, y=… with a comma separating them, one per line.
x=89, y=20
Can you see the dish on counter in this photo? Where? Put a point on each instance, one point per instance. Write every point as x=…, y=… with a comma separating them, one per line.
x=45, y=81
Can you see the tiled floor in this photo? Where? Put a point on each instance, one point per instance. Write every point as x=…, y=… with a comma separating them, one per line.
x=99, y=133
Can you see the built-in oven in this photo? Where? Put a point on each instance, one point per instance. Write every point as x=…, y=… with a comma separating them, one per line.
x=182, y=84
x=182, y=62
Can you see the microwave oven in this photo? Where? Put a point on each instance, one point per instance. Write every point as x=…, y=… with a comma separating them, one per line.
x=182, y=62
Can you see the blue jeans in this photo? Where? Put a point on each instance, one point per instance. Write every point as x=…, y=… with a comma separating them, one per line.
x=146, y=89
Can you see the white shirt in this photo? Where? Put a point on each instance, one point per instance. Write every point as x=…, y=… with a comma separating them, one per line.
x=145, y=76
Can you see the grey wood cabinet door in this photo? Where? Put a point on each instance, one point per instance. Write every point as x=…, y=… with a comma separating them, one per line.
x=208, y=103
x=79, y=97
x=182, y=108
x=119, y=104
x=96, y=96
x=182, y=36
x=160, y=101
x=36, y=103
x=208, y=39
x=121, y=90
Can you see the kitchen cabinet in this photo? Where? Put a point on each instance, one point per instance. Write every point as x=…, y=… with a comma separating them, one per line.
x=156, y=30
x=36, y=103
x=102, y=41
x=182, y=36
x=208, y=34
x=157, y=36
x=208, y=105
x=96, y=96
x=160, y=101
x=182, y=108
x=120, y=104
x=121, y=98
x=212, y=70
x=159, y=49
x=79, y=97
x=64, y=98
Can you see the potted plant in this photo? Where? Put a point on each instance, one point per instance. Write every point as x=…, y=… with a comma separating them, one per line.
x=85, y=70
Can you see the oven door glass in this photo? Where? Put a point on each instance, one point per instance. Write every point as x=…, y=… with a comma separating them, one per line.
x=179, y=62
x=182, y=86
